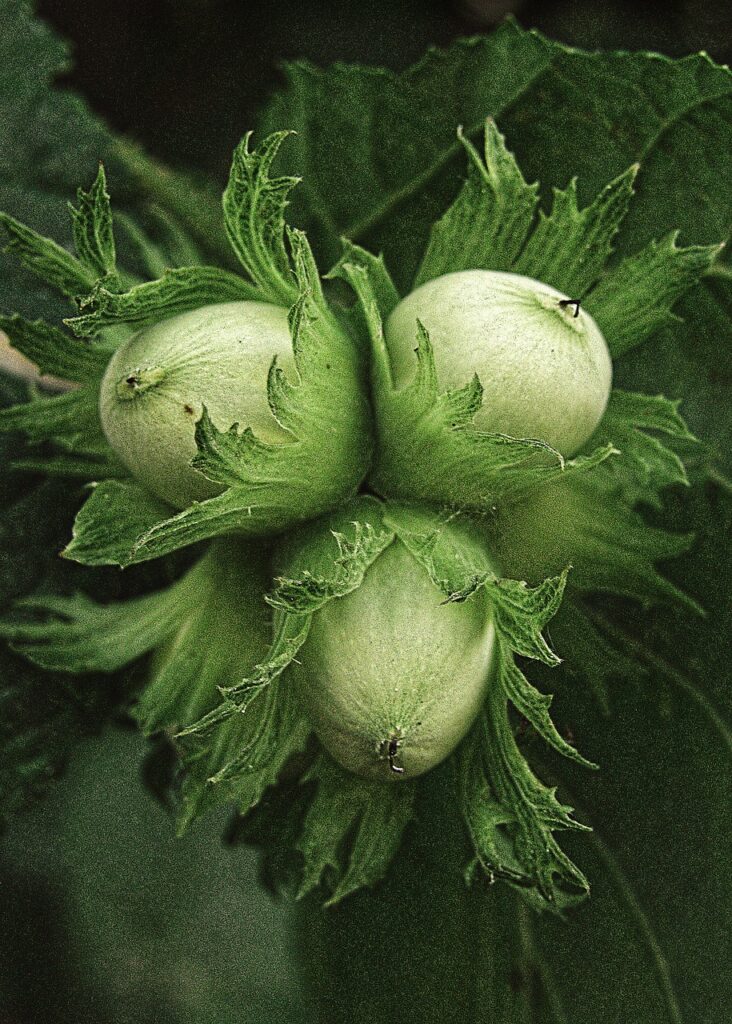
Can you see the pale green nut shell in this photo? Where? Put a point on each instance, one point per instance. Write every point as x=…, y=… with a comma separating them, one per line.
x=392, y=660
x=158, y=382
x=545, y=373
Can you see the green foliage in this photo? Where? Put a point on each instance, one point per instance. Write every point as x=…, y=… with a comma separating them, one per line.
x=92, y=229
x=564, y=113
x=664, y=746
x=44, y=716
x=51, y=143
x=642, y=683
x=475, y=233
x=569, y=248
x=377, y=811
x=48, y=260
x=54, y=351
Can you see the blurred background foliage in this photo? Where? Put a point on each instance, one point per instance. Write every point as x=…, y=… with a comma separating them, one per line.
x=106, y=917
x=185, y=77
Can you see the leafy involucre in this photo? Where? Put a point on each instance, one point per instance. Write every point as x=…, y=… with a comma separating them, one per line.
x=175, y=292
x=508, y=795
x=93, y=232
x=316, y=577
x=111, y=521
x=86, y=637
x=647, y=464
x=427, y=447
x=569, y=248
x=488, y=223
x=254, y=207
x=373, y=814
x=636, y=299
x=53, y=351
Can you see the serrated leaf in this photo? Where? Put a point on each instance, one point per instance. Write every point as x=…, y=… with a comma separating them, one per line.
x=383, y=176
x=581, y=522
x=290, y=633
x=73, y=414
x=108, y=524
x=518, y=802
x=565, y=111
x=286, y=736
x=569, y=248
x=254, y=215
x=370, y=816
x=647, y=463
x=93, y=231
x=522, y=612
x=53, y=351
x=45, y=258
x=175, y=292
x=534, y=706
x=636, y=298
x=448, y=546
x=487, y=225
x=309, y=592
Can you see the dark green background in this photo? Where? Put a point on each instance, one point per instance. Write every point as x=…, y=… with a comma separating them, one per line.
x=187, y=77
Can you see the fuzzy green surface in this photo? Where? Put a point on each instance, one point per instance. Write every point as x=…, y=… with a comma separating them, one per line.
x=545, y=372
x=158, y=382
x=393, y=660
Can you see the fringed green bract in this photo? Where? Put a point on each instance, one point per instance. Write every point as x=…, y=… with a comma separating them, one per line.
x=320, y=402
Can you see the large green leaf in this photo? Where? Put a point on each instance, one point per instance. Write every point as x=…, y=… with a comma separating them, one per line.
x=384, y=160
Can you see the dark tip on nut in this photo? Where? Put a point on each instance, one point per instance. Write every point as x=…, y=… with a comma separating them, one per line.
x=389, y=749
x=564, y=303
